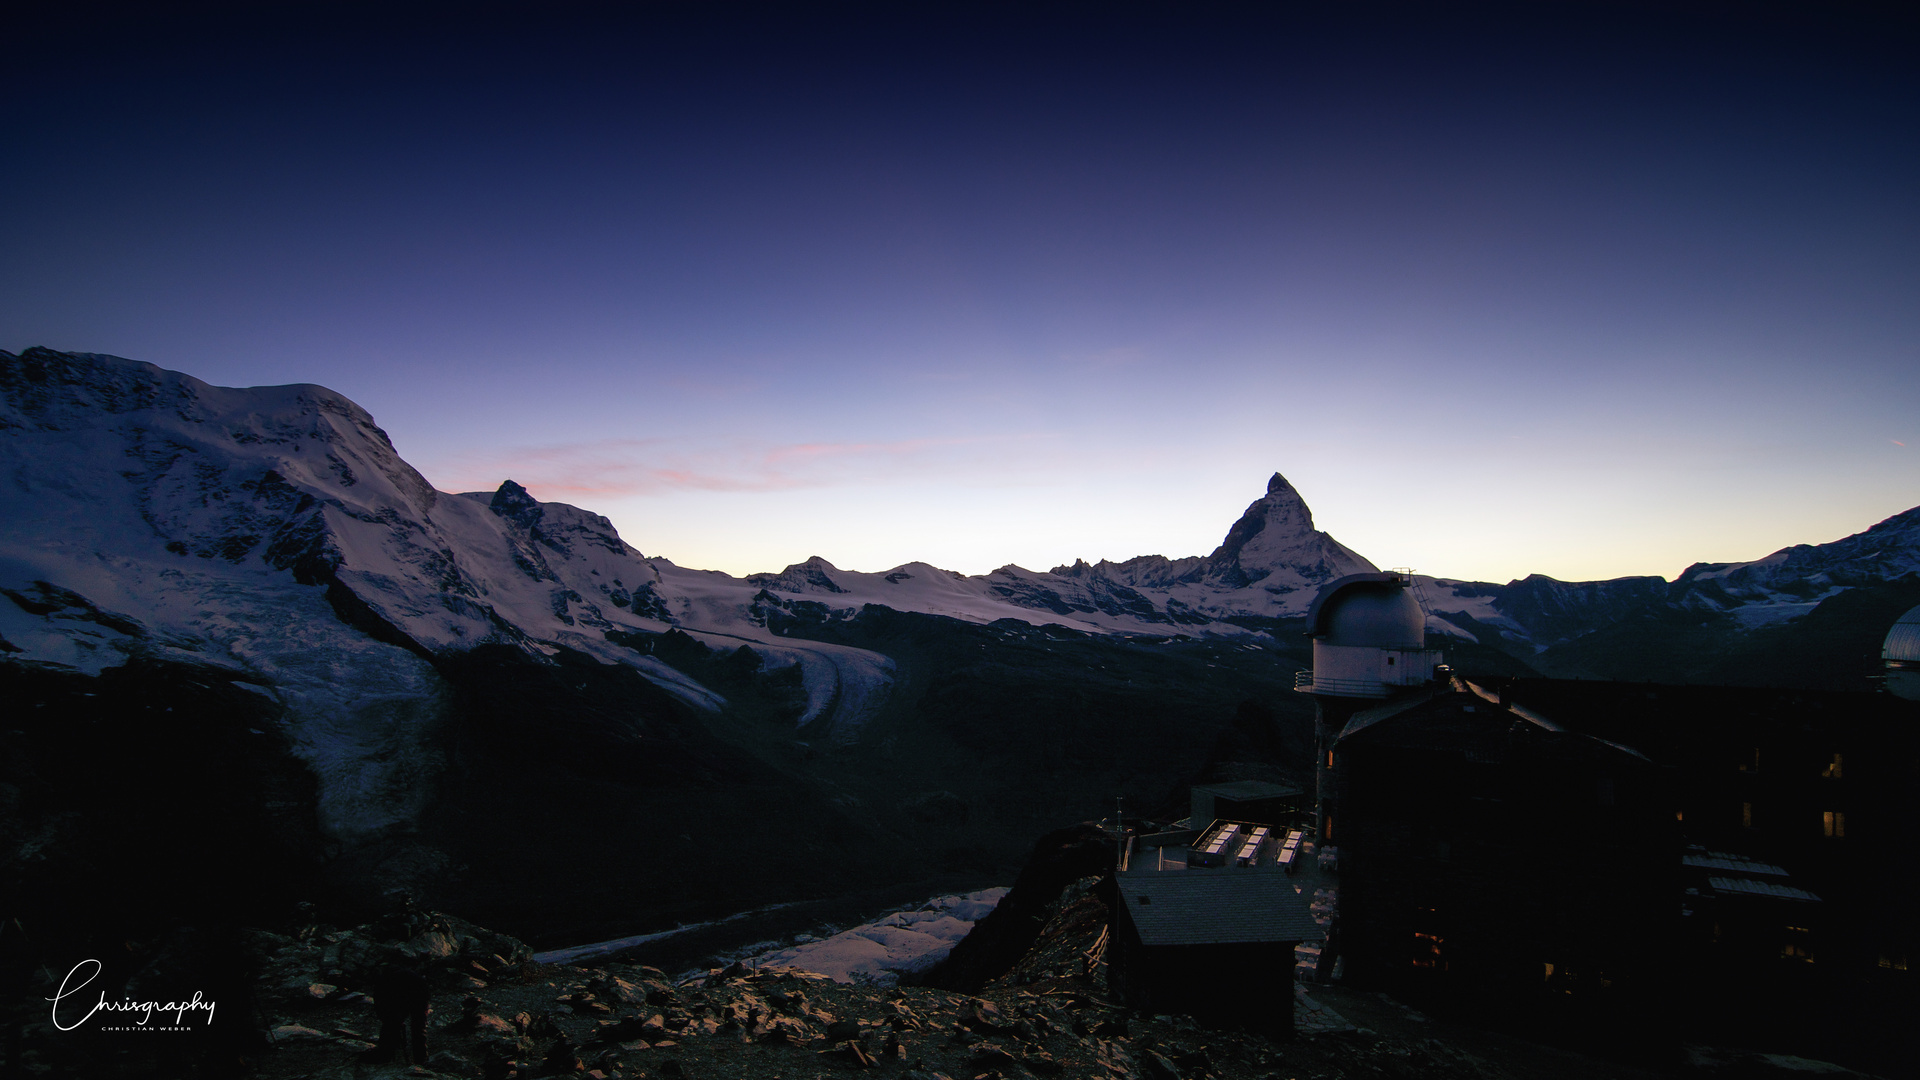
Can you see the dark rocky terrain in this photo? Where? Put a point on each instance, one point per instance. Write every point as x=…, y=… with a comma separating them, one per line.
x=303, y=1013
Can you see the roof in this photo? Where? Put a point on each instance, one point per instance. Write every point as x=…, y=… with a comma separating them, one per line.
x=1247, y=790
x=1331, y=589
x=1217, y=907
x=1738, y=864
x=1474, y=692
x=1367, y=611
x=1903, y=641
x=1751, y=887
x=1442, y=700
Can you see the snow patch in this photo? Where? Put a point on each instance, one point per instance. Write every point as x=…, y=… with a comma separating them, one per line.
x=905, y=942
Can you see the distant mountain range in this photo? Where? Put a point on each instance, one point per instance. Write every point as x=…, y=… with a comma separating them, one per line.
x=273, y=537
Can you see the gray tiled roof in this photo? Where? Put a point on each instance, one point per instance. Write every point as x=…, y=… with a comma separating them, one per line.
x=1248, y=790
x=1759, y=888
x=1216, y=907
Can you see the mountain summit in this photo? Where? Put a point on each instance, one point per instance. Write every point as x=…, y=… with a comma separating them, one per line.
x=1281, y=513
x=1273, y=546
x=1276, y=534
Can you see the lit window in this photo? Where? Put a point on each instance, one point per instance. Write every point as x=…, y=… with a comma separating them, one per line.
x=1752, y=762
x=1560, y=978
x=1832, y=771
x=1746, y=815
x=1834, y=823
x=1427, y=951
x=1894, y=961
x=1798, y=945
x=1428, y=944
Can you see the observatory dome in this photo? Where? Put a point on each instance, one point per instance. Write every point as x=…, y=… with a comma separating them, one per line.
x=1369, y=638
x=1903, y=641
x=1902, y=655
x=1370, y=610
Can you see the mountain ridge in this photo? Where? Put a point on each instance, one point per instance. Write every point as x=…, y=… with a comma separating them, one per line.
x=304, y=480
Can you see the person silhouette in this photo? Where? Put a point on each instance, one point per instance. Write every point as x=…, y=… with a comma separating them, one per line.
x=401, y=999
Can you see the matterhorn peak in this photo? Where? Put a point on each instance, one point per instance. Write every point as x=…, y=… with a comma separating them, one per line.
x=1280, y=519
x=1277, y=533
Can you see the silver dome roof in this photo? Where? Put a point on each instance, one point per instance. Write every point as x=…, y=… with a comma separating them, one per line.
x=1903, y=641
x=1373, y=610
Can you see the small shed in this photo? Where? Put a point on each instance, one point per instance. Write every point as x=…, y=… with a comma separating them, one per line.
x=1217, y=946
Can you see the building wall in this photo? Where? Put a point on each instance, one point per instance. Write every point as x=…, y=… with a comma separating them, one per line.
x=1248, y=986
x=1477, y=850
x=1755, y=773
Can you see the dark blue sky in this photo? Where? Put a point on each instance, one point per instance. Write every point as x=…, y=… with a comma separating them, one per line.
x=1593, y=291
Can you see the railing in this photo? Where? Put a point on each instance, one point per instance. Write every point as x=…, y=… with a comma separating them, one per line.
x=1345, y=687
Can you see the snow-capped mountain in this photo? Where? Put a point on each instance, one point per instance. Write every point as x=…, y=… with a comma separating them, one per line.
x=274, y=532
x=1273, y=546
x=1538, y=612
x=276, y=487
x=1807, y=573
x=1269, y=566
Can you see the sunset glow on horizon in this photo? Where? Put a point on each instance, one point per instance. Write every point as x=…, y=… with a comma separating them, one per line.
x=1591, y=292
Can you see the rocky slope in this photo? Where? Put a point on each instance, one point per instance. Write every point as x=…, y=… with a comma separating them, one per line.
x=305, y=1012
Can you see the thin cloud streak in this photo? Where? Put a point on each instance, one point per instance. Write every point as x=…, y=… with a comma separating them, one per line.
x=615, y=468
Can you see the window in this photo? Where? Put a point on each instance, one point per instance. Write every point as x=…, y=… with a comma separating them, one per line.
x=1834, y=824
x=1426, y=951
x=1603, y=790
x=1832, y=771
x=1798, y=945
x=1560, y=978
x=1893, y=961
x=1751, y=763
x=1429, y=947
x=1746, y=815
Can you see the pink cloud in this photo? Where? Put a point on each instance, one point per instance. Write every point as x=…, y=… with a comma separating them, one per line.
x=607, y=468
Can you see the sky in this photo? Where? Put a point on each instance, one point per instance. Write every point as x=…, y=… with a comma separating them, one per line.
x=1586, y=291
